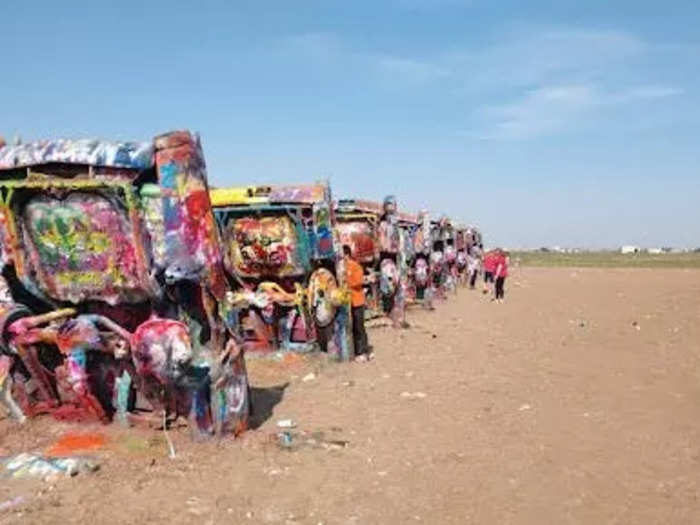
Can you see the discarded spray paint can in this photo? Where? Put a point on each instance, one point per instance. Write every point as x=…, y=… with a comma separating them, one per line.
x=286, y=439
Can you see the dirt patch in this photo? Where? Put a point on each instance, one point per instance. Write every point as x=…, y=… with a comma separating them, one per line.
x=575, y=401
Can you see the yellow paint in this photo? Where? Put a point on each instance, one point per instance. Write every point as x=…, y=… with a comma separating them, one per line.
x=236, y=196
x=82, y=278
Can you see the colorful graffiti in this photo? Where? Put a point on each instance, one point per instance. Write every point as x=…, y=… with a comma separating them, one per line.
x=144, y=259
x=283, y=249
x=89, y=152
x=266, y=247
x=82, y=248
x=360, y=235
x=301, y=194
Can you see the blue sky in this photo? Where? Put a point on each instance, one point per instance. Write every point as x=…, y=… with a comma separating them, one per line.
x=558, y=122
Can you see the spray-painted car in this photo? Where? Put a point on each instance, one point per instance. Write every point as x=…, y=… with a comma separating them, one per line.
x=113, y=283
x=408, y=227
x=442, y=256
x=358, y=227
x=282, y=252
x=421, y=264
x=449, y=236
x=474, y=238
x=380, y=239
x=462, y=245
x=392, y=266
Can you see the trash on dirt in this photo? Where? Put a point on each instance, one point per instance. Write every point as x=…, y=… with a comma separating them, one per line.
x=196, y=507
x=286, y=423
x=10, y=503
x=636, y=326
x=336, y=443
x=414, y=395
x=70, y=443
x=286, y=439
x=290, y=440
x=309, y=377
x=348, y=383
x=26, y=465
x=171, y=446
x=524, y=407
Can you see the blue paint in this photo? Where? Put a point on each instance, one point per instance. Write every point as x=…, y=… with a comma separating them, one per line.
x=168, y=175
x=79, y=357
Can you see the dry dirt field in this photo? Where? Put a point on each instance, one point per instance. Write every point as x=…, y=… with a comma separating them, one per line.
x=575, y=401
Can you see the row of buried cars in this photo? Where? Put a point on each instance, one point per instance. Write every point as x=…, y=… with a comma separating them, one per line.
x=131, y=291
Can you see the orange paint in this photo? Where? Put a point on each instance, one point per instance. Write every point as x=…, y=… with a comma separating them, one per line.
x=291, y=358
x=71, y=443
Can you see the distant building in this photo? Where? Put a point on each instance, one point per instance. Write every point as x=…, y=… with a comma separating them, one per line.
x=630, y=249
x=655, y=251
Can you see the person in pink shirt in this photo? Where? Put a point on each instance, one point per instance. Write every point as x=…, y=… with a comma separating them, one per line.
x=500, y=273
x=489, y=269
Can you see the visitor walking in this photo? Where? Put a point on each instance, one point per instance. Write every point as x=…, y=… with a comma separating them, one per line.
x=500, y=273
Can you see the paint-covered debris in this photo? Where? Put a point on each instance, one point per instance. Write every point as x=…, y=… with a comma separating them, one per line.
x=26, y=465
x=12, y=503
x=293, y=440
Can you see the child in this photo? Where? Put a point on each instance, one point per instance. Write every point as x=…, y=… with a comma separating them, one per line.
x=501, y=272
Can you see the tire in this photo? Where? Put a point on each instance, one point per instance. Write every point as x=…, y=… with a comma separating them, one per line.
x=322, y=284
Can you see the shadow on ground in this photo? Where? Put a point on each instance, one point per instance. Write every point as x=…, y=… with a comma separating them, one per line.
x=264, y=401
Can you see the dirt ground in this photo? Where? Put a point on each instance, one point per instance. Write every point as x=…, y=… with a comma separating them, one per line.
x=575, y=401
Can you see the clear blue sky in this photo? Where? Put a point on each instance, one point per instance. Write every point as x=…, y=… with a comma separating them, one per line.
x=559, y=122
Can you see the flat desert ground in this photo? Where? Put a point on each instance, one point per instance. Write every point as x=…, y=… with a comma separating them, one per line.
x=575, y=401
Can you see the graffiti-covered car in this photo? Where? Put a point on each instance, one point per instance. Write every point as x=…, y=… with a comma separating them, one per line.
x=392, y=264
x=408, y=227
x=358, y=227
x=462, y=246
x=421, y=264
x=113, y=284
x=442, y=256
x=282, y=253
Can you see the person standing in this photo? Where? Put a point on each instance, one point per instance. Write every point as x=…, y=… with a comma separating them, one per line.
x=500, y=273
x=472, y=267
x=489, y=269
x=355, y=281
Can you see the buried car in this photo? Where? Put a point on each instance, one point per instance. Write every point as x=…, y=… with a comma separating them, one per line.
x=283, y=257
x=113, y=285
x=358, y=228
x=379, y=237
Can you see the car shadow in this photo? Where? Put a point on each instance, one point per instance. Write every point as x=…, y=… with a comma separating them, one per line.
x=263, y=403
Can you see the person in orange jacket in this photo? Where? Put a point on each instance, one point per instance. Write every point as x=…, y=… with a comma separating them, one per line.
x=355, y=281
